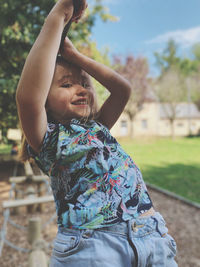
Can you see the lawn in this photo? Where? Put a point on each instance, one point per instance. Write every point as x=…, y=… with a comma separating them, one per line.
x=172, y=165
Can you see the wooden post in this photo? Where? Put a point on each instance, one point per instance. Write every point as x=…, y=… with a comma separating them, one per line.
x=34, y=230
x=41, y=193
x=18, y=195
x=30, y=194
x=28, y=169
x=37, y=257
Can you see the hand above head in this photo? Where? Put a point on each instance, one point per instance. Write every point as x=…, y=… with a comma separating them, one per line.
x=68, y=51
x=70, y=9
x=79, y=8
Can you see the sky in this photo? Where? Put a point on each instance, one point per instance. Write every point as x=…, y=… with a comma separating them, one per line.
x=145, y=26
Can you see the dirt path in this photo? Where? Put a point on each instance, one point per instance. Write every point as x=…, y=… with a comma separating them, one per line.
x=183, y=222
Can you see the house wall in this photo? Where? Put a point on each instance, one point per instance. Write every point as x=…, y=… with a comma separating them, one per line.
x=181, y=127
x=148, y=123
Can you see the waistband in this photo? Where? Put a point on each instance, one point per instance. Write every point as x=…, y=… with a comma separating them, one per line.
x=133, y=225
x=125, y=228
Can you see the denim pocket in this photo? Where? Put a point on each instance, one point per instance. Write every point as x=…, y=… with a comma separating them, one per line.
x=171, y=244
x=66, y=244
x=163, y=232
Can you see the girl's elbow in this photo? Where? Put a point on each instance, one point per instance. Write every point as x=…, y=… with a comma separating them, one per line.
x=18, y=98
x=128, y=89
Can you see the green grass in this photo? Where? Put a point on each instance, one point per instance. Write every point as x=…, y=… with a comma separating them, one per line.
x=172, y=165
x=5, y=149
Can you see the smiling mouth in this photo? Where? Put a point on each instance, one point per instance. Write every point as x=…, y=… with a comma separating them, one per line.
x=80, y=103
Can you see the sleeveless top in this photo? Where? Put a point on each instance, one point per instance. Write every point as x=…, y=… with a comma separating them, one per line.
x=94, y=182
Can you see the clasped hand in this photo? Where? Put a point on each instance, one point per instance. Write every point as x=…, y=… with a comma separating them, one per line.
x=68, y=50
x=72, y=8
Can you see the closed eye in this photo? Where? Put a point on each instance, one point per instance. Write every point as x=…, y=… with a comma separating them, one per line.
x=86, y=85
x=66, y=85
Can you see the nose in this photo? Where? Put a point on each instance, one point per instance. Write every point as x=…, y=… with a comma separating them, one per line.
x=81, y=91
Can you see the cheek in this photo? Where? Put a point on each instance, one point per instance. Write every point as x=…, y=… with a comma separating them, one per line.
x=59, y=100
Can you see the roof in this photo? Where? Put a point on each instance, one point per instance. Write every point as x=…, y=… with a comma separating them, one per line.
x=183, y=110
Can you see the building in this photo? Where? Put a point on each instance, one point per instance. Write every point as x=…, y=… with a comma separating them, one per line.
x=153, y=120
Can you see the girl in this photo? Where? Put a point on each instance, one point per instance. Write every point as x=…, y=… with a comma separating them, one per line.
x=105, y=215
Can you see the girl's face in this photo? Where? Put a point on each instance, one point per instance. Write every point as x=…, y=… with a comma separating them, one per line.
x=71, y=94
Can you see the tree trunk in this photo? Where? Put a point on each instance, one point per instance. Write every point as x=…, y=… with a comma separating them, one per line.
x=131, y=127
x=4, y=135
x=172, y=129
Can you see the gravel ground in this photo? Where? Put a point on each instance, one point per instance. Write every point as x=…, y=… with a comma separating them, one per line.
x=182, y=221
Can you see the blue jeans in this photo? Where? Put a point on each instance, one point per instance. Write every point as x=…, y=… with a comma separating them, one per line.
x=142, y=242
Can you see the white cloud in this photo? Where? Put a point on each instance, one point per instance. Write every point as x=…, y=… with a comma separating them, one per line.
x=184, y=38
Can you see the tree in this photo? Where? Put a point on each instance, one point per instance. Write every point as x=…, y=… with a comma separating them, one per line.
x=20, y=23
x=196, y=53
x=170, y=90
x=189, y=68
x=194, y=77
x=136, y=71
x=193, y=84
x=168, y=58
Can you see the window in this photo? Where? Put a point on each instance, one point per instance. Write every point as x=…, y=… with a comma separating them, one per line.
x=144, y=124
x=180, y=124
x=124, y=128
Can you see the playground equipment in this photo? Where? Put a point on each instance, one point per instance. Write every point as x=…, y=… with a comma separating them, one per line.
x=29, y=186
x=28, y=191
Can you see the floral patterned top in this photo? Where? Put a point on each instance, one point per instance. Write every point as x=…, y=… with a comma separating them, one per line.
x=94, y=182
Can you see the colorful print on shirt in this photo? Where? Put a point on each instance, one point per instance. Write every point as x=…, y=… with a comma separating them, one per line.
x=94, y=182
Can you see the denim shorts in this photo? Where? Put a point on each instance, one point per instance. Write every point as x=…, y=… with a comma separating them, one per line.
x=142, y=242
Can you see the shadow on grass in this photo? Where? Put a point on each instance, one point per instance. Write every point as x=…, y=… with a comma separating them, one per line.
x=181, y=179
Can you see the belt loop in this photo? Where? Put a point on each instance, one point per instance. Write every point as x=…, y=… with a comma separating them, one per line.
x=129, y=237
x=87, y=233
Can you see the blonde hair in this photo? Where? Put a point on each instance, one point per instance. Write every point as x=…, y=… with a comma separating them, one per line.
x=23, y=152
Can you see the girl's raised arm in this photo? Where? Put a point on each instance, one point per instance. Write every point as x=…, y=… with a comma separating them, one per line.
x=37, y=74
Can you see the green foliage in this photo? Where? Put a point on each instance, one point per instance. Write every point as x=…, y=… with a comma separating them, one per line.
x=196, y=52
x=188, y=69
x=5, y=149
x=20, y=23
x=168, y=58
